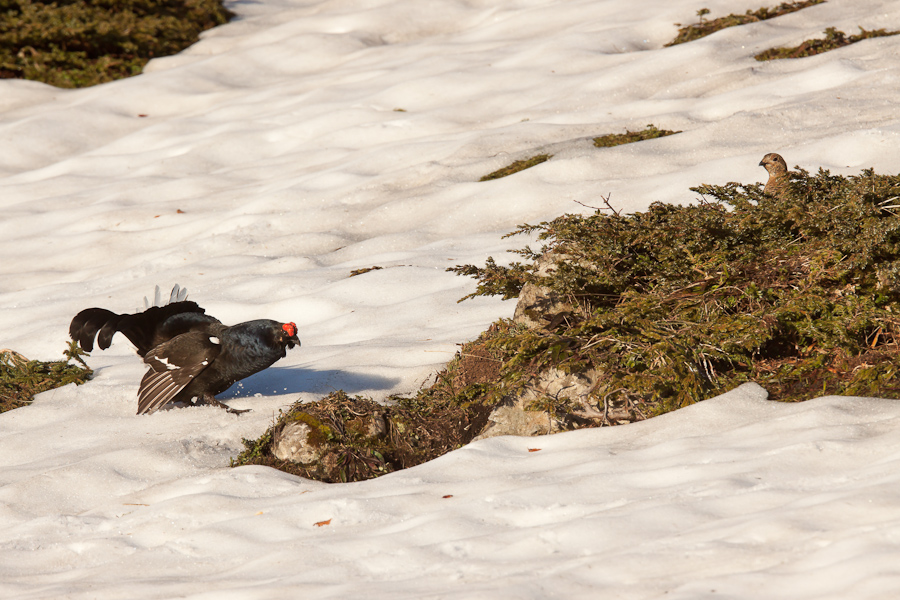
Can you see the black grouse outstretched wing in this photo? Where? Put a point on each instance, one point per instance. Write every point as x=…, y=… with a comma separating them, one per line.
x=173, y=365
x=145, y=329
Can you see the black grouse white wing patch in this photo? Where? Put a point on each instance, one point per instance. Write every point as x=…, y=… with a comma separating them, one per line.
x=173, y=365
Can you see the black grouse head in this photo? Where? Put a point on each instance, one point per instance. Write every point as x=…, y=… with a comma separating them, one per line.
x=286, y=335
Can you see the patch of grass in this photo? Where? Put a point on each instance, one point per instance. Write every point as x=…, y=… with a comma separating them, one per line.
x=682, y=303
x=364, y=270
x=519, y=165
x=833, y=39
x=78, y=43
x=617, y=139
x=704, y=27
x=603, y=141
x=21, y=379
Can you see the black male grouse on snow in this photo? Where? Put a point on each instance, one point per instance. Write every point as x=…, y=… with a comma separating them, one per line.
x=190, y=354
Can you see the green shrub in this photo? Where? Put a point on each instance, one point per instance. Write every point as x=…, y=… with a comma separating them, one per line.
x=669, y=306
x=21, y=379
x=680, y=303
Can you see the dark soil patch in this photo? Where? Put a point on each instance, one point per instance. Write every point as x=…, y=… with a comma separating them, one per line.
x=475, y=366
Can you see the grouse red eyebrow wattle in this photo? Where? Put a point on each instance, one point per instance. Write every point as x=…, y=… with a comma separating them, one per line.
x=290, y=328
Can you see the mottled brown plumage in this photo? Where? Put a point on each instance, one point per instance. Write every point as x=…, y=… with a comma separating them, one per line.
x=778, y=173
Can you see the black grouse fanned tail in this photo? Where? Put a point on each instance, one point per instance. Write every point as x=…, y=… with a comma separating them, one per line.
x=142, y=329
x=87, y=323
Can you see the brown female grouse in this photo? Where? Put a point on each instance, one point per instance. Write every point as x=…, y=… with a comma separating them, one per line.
x=778, y=174
x=190, y=354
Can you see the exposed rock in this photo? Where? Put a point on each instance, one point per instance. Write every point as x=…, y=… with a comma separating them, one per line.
x=619, y=407
x=576, y=387
x=377, y=427
x=513, y=417
x=538, y=306
x=292, y=443
x=576, y=398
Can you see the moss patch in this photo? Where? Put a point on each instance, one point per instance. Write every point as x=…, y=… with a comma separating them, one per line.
x=519, y=165
x=833, y=39
x=705, y=27
x=364, y=270
x=21, y=379
x=360, y=439
x=617, y=139
x=71, y=43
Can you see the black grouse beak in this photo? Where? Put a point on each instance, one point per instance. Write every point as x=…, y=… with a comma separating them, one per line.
x=289, y=335
x=761, y=164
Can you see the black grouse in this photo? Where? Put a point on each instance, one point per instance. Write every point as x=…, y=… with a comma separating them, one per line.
x=190, y=354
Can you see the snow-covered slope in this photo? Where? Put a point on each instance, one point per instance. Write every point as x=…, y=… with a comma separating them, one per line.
x=309, y=139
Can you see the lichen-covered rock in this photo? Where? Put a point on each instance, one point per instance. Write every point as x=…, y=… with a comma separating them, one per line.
x=292, y=443
x=522, y=414
x=538, y=306
x=576, y=387
x=376, y=427
x=514, y=419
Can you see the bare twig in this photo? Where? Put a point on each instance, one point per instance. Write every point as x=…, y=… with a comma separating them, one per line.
x=605, y=201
